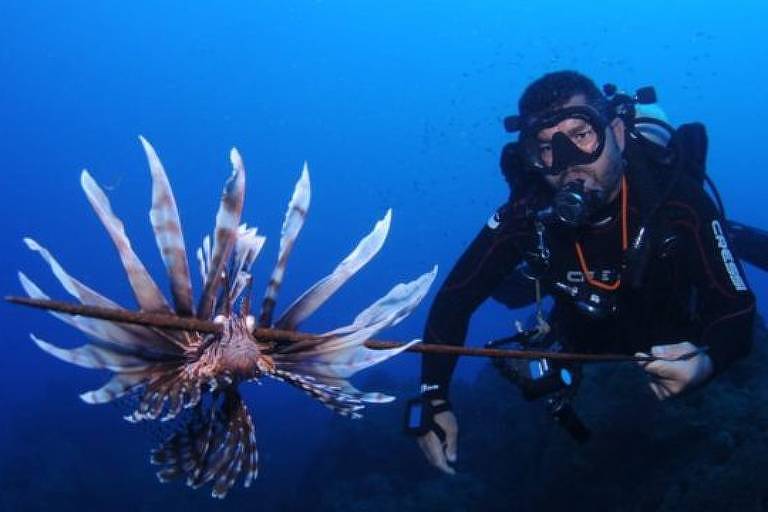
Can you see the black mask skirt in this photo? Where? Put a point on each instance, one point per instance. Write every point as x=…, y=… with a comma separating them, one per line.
x=564, y=148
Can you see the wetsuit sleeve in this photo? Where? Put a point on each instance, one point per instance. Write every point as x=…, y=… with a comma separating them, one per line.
x=482, y=266
x=724, y=306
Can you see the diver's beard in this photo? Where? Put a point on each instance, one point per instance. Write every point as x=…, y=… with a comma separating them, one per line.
x=612, y=179
x=606, y=185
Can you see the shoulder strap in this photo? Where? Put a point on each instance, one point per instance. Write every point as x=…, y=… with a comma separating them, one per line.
x=692, y=142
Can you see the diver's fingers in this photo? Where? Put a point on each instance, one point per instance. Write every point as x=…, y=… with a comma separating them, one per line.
x=663, y=369
x=668, y=387
x=674, y=386
x=674, y=350
x=655, y=389
x=427, y=444
x=642, y=364
x=433, y=449
x=654, y=367
x=447, y=421
x=451, y=448
x=658, y=390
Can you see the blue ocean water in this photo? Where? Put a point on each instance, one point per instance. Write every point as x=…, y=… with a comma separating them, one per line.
x=393, y=104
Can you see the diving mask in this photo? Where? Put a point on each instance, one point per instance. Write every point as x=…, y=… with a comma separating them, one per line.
x=580, y=138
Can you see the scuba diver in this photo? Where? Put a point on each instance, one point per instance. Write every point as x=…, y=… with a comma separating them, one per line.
x=608, y=216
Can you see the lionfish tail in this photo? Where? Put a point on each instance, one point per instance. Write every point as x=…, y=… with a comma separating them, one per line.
x=217, y=445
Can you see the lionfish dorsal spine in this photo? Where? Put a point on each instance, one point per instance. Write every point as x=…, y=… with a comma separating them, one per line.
x=204, y=258
x=294, y=220
x=321, y=291
x=225, y=235
x=147, y=293
x=247, y=249
x=164, y=216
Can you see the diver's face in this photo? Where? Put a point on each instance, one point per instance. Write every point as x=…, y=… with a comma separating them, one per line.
x=604, y=174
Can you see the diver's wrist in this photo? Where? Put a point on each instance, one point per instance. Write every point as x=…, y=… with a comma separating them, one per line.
x=431, y=391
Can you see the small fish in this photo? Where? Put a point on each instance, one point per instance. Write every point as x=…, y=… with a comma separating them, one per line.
x=171, y=370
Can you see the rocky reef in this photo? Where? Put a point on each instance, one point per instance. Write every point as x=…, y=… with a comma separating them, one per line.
x=704, y=451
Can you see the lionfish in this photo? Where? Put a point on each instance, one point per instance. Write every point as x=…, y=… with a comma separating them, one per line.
x=170, y=370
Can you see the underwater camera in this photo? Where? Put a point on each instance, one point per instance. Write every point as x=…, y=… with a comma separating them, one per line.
x=537, y=378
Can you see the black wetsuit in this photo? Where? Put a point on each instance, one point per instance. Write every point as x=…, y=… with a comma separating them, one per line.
x=691, y=290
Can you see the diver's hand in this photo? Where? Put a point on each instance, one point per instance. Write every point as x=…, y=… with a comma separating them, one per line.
x=670, y=378
x=441, y=454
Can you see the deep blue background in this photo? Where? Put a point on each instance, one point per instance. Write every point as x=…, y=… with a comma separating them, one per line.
x=394, y=104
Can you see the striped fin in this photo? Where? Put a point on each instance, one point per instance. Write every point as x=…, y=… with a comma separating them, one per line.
x=227, y=220
x=237, y=454
x=74, y=287
x=169, y=390
x=146, y=344
x=400, y=301
x=147, y=293
x=247, y=249
x=385, y=312
x=90, y=356
x=340, y=354
x=137, y=339
x=313, y=298
x=340, y=363
x=335, y=398
x=294, y=220
x=35, y=292
x=215, y=446
x=186, y=449
x=164, y=217
x=344, y=386
x=204, y=258
x=119, y=385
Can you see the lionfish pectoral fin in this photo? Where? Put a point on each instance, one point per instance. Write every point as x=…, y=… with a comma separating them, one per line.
x=123, y=337
x=393, y=307
x=217, y=445
x=91, y=356
x=321, y=291
x=320, y=365
x=119, y=385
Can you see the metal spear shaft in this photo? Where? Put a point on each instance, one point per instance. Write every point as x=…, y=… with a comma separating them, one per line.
x=169, y=321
